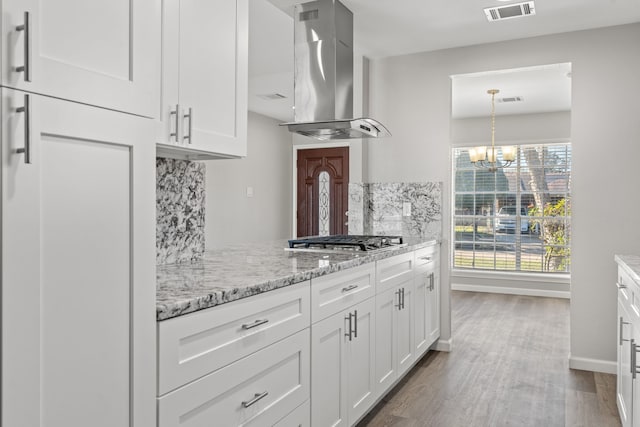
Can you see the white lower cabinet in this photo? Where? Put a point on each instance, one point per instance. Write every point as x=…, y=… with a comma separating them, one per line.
x=342, y=381
x=258, y=390
x=318, y=353
x=624, y=378
x=628, y=340
x=394, y=334
x=427, y=300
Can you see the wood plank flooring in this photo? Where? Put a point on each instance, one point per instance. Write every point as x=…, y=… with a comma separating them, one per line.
x=509, y=367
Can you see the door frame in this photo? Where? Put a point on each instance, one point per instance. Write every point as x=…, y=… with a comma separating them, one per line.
x=294, y=175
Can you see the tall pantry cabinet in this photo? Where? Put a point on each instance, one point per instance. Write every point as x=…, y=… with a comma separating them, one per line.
x=77, y=206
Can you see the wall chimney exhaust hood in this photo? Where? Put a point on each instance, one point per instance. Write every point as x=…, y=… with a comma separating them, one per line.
x=323, y=82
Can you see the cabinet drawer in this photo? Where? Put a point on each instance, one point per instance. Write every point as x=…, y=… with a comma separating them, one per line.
x=194, y=345
x=255, y=391
x=338, y=291
x=426, y=256
x=300, y=417
x=393, y=271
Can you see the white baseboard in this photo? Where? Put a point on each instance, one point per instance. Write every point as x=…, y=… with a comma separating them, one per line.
x=443, y=345
x=511, y=291
x=595, y=365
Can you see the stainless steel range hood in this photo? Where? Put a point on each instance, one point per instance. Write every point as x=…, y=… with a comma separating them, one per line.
x=323, y=82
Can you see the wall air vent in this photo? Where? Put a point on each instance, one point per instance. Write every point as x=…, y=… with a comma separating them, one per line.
x=510, y=99
x=272, y=96
x=516, y=10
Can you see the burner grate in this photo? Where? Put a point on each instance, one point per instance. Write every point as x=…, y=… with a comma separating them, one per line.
x=363, y=243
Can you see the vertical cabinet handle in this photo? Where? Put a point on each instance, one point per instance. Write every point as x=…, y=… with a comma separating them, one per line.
x=175, y=112
x=190, y=126
x=256, y=397
x=26, y=109
x=432, y=281
x=399, y=306
x=622, y=322
x=349, y=328
x=402, y=293
x=634, y=352
x=355, y=323
x=26, y=68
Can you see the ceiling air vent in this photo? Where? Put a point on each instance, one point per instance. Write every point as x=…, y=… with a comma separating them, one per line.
x=510, y=99
x=510, y=11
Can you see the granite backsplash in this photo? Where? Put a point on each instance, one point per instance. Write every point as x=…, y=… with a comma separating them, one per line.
x=180, y=209
x=380, y=208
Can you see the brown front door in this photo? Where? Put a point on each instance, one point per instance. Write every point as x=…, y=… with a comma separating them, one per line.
x=323, y=196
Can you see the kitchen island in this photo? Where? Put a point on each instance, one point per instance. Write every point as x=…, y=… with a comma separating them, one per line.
x=259, y=335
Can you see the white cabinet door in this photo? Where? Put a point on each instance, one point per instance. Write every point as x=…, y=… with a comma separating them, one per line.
x=434, y=306
x=329, y=371
x=624, y=377
x=205, y=80
x=395, y=339
x=422, y=303
x=78, y=267
x=404, y=329
x=387, y=304
x=104, y=53
x=360, y=361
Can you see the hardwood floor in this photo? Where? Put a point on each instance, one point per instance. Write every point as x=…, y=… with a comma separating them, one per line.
x=509, y=367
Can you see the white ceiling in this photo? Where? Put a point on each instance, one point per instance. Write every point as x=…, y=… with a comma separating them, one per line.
x=387, y=28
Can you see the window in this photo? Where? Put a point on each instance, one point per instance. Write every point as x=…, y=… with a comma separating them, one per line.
x=517, y=218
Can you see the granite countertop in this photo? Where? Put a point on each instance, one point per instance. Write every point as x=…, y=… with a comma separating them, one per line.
x=631, y=264
x=241, y=271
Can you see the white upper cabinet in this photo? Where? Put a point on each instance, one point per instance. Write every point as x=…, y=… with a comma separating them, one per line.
x=204, y=79
x=104, y=53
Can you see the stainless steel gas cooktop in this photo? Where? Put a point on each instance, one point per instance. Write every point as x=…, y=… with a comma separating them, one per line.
x=345, y=242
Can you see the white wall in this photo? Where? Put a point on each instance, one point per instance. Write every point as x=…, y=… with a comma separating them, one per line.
x=411, y=95
x=231, y=216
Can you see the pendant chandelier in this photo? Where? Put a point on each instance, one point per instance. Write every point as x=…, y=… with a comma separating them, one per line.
x=487, y=157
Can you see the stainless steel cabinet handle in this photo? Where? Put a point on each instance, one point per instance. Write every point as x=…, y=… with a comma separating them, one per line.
x=190, y=127
x=350, y=328
x=634, y=352
x=399, y=306
x=621, y=286
x=177, y=122
x=256, y=397
x=26, y=109
x=432, y=281
x=26, y=68
x=355, y=322
x=349, y=288
x=426, y=258
x=254, y=324
x=622, y=322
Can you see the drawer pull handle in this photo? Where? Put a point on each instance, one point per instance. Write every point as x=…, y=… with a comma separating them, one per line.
x=425, y=258
x=256, y=397
x=621, y=286
x=349, y=288
x=254, y=324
